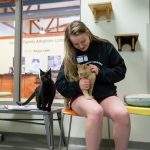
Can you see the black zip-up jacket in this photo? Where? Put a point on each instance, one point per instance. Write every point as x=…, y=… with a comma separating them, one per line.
x=112, y=70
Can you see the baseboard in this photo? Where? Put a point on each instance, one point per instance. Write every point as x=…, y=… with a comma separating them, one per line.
x=21, y=138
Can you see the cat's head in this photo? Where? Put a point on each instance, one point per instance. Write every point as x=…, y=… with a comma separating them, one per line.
x=83, y=70
x=45, y=76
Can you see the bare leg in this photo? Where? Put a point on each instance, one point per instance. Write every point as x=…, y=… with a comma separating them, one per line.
x=115, y=109
x=94, y=114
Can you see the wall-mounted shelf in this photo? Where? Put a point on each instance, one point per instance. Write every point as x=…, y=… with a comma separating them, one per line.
x=130, y=39
x=101, y=9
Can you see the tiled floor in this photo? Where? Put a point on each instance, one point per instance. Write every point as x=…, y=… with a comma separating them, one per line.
x=34, y=142
x=72, y=147
x=33, y=147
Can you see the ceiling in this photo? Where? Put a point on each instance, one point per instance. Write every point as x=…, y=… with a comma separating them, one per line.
x=60, y=8
x=30, y=2
x=37, y=10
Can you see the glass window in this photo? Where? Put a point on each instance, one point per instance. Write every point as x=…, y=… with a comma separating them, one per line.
x=43, y=28
x=7, y=32
x=43, y=41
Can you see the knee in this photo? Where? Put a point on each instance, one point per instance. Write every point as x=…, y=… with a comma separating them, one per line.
x=122, y=117
x=96, y=113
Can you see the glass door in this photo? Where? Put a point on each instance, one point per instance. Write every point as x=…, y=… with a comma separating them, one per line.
x=7, y=32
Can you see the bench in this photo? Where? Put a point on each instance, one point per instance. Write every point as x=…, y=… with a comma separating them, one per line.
x=47, y=117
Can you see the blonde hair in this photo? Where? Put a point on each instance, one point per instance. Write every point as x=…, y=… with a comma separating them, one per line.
x=70, y=64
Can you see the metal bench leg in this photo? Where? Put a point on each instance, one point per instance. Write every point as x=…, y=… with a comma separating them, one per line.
x=68, y=138
x=69, y=132
x=61, y=131
x=48, y=119
x=109, y=138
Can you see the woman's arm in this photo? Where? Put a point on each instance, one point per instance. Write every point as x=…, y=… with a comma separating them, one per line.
x=117, y=68
x=66, y=88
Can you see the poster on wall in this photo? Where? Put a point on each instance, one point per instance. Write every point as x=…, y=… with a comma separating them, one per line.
x=38, y=53
x=54, y=62
x=35, y=64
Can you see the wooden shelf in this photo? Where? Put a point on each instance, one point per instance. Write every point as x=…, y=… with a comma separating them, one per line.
x=130, y=39
x=101, y=9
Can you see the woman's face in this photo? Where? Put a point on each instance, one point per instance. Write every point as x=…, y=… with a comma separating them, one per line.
x=81, y=41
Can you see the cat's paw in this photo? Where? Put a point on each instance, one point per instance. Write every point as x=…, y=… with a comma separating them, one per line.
x=48, y=109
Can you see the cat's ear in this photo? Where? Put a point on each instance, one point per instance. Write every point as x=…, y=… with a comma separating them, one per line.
x=49, y=71
x=41, y=72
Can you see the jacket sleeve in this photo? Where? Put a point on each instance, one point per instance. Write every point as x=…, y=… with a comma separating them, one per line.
x=115, y=70
x=66, y=88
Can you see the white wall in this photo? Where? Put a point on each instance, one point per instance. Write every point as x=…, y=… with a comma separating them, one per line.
x=129, y=16
x=148, y=57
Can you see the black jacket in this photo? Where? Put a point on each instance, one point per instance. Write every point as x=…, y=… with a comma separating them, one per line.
x=112, y=70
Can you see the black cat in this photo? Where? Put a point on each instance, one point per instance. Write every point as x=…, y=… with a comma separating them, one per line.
x=44, y=93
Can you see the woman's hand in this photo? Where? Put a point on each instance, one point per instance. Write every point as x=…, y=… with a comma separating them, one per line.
x=84, y=84
x=94, y=68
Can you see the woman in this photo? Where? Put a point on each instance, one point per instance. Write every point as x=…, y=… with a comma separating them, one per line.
x=81, y=46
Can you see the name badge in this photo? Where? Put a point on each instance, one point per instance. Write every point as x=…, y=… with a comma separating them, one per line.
x=85, y=58
x=82, y=58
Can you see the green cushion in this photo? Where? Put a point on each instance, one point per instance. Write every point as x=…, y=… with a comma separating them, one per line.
x=140, y=100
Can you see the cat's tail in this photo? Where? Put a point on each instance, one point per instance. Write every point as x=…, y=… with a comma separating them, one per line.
x=27, y=101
